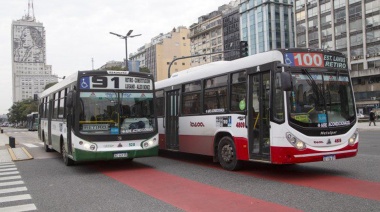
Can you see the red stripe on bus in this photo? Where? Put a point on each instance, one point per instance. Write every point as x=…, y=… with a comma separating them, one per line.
x=186, y=194
x=286, y=155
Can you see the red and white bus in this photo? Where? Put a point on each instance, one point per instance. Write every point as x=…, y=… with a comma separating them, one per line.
x=282, y=107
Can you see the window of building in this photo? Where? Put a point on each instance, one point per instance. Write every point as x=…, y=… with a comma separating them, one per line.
x=374, y=64
x=355, y=10
x=300, y=16
x=341, y=43
x=340, y=16
x=339, y=3
x=326, y=7
x=357, y=67
x=341, y=29
x=371, y=7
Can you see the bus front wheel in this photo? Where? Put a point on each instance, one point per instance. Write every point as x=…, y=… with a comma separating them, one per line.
x=227, y=154
x=68, y=161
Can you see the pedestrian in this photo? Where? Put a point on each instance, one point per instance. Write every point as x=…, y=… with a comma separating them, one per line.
x=372, y=118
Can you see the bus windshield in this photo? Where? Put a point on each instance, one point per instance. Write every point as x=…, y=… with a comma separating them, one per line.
x=116, y=112
x=321, y=98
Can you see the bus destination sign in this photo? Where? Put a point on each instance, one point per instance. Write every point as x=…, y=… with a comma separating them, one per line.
x=115, y=82
x=317, y=60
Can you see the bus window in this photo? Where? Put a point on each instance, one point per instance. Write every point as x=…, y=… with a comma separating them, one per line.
x=215, y=96
x=238, y=91
x=191, y=98
x=160, y=103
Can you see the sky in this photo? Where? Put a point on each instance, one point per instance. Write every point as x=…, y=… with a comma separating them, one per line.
x=77, y=31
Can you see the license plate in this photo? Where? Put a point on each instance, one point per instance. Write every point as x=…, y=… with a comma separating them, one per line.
x=120, y=155
x=328, y=157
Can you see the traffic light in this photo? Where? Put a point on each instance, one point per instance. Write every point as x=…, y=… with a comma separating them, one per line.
x=243, y=49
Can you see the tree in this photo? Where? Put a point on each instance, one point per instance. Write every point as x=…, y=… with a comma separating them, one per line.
x=50, y=84
x=145, y=70
x=19, y=110
x=114, y=68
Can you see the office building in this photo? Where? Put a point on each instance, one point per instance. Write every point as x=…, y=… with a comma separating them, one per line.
x=30, y=74
x=266, y=25
x=351, y=27
x=231, y=32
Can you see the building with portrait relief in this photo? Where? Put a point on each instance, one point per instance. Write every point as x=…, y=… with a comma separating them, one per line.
x=30, y=74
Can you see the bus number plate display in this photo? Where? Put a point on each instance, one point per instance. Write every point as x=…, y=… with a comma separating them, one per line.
x=120, y=155
x=329, y=157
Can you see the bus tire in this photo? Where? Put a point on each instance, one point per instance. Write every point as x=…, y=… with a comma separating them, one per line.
x=227, y=154
x=66, y=160
x=46, y=147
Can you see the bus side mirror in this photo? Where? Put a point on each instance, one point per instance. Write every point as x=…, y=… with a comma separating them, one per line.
x=70, y=99
x=286, y=81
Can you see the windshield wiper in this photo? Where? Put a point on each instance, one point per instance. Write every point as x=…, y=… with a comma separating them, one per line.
x=317, y=90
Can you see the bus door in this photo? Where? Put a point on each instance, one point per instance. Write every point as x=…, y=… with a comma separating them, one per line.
x=258, y=115
x=172, y=125
x=49, y=118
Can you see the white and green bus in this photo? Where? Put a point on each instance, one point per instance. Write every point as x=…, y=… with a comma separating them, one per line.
x=100, y=115
x=32, y=121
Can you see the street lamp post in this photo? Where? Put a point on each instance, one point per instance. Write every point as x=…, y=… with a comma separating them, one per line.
x=128, y=35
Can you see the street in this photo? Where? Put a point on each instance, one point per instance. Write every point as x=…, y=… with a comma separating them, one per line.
x=184, y=182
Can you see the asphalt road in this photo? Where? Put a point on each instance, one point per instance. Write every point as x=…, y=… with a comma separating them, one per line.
x=183, y=182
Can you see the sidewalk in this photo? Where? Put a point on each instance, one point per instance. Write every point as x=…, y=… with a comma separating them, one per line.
x=8, y=154
x=365, y=126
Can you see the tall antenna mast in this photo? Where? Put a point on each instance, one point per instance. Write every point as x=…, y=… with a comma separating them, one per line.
x=30, y=16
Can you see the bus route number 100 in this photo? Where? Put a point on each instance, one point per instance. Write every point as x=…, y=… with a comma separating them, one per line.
x=304, y=59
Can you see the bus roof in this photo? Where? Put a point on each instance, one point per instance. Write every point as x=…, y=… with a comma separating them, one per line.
x=68, y=80
x=220, y=67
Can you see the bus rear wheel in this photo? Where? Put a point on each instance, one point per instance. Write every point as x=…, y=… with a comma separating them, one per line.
x=47, y=149
x=227, y=154
x=66, y=160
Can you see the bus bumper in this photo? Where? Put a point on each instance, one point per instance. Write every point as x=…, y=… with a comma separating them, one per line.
x=282, y=155
x=81, y=155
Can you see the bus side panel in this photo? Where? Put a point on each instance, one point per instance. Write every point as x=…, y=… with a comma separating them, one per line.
x=198, y=144
x=44, y=130
x=56, y=132
x=241, y=145
x=161, y=132
x=162, y=141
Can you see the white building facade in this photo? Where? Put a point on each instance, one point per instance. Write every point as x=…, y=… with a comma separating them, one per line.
x=30, y=74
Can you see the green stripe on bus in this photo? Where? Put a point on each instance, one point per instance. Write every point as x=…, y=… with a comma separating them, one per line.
x=81, y=155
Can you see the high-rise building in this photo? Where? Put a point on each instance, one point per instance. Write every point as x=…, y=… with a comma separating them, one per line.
x=206, y=38
x=162, y=50
x=351, y=27
x=231, y=32
x=30, y=74
x=266, y=25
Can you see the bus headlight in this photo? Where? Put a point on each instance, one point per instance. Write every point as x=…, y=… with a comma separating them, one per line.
x=352, y=139
x=88, y=145
x=297, y=143
x=149, y=143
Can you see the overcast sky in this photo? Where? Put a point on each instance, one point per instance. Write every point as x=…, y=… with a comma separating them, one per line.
x=78, y=30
